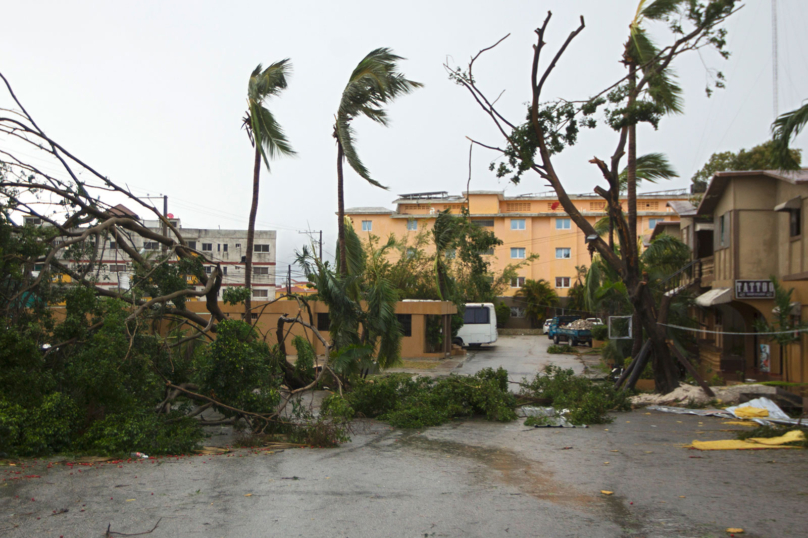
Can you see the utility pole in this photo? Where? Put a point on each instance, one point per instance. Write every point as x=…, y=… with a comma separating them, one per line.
x=320, y=242
x=289, y=281
x=165, y=225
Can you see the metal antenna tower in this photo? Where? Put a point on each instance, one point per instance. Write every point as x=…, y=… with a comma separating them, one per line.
x=775, y=65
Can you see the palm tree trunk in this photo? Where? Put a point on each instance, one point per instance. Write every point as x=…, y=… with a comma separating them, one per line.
x=632, y=163
x=251, y=235
x=343, y=257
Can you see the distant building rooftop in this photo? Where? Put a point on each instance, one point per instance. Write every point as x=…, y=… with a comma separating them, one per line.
x=368, y=211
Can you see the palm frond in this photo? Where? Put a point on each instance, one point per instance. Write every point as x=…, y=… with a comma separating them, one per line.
x=373, y=83
x=266, y=133
x=658, y=9
x=784, y=128
x=651, y=167
x=662, y=88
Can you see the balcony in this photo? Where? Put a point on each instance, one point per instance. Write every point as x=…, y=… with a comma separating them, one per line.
x=707, y=271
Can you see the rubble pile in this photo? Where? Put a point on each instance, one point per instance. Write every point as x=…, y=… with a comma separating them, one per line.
x=580, y=325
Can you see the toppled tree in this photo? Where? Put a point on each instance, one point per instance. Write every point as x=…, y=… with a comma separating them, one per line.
x=643, y=95
x=112, y=369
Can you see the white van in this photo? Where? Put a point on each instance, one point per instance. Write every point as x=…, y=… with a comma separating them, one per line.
x=479, y=325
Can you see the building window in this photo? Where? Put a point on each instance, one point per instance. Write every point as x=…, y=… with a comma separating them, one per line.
x=33, y=221
x=562, y=224
x=367, y=225
x=722, y=230
x=517, y=207
x=113, y=245
x=476, y=315
x=485, y=223
x=150, y=245
x=405, y=320
x=208, y=269
x=260, y=294
x=260, y=271
x=260, y=248
x=517, y=282
x=411, y=252
x=562, y=282
x=795, y=222
x=192, y=245
x=238, y=245
x=653, y=222
x=597, y=206
x=224, y=270
x=323, y=321
x=517, y=224
x=412, y=225
x=563, y=253
x=518, y=253
x=117, y=268
x=207, y=247
x=518, y=312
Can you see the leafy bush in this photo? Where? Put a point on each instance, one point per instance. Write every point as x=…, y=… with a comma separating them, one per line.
x=142, y=431
x=239, y=370
x=589, y=402
x=503, y=313
x=564, y=348
x=417, y=403
x=304, y=366
x=600, y=332
x=44, y=429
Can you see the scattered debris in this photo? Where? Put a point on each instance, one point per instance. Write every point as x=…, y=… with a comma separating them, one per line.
x=548, y=417
x=734, y=531
x=138, y=455
x=775, y=414
x=605, y=492
x=580, y=324
x=689, y=394
x=109, y=532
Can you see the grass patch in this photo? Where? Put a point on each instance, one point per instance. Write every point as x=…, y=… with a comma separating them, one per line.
x=565, y=348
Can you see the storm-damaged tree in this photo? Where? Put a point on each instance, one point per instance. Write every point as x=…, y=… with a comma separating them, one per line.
x=89, y=366
x=786, y=127
x=643, y=95
x=374, y=82
x=267, y=136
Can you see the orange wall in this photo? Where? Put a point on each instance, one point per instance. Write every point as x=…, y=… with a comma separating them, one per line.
x=540, y=235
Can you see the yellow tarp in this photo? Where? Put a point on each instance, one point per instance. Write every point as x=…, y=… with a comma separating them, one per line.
x=741, y=423
x=751, y=412
x=756, y=443
x=791, y=437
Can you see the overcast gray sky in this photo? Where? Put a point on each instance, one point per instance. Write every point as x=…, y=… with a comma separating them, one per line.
x=152, y=94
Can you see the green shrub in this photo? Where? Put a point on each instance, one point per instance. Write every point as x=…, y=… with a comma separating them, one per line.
x=503, y=313
x=304, y=366
x=600, y=332
x=239, y=370
x=417, y=403
x=41, y=430
x=588, y=402
x=142, y=431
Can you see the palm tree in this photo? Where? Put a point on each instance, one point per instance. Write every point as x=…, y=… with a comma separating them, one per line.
x=267, y=136
x=539, y=296
x=374, y=82
x=640, y=53
x=784, y=127
x=444, y=234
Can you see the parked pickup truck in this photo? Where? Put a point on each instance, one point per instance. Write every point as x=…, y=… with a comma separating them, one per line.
x=573, y=336
x=557, y=322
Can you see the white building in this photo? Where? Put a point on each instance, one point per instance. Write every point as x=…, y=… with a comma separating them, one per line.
x=227, y=247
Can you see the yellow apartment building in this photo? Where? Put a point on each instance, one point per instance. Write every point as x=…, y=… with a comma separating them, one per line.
x=527, y=224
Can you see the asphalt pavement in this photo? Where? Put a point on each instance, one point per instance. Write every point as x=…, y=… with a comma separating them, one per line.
x=465, y=479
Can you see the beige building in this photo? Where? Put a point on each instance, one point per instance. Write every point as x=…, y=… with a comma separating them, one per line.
x=749, y=227
x=527, y=224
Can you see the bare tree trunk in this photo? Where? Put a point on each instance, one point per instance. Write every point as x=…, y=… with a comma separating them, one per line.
x=636, y=330
x=251, y=235
x=343, y=257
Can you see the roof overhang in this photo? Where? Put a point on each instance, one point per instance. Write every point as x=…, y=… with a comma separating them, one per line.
x=714, y=297
x=716, y=187
x=702, y=226
x=794, y=203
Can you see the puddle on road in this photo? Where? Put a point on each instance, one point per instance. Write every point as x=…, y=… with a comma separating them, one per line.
x=510, y=470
